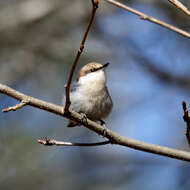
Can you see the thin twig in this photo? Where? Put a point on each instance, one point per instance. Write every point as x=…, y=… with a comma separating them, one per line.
x=186, y=118
x=50, y=142
x=113, y=137
x=67, y=86
x=180, y=6
x=150, y=19
x=16, y=107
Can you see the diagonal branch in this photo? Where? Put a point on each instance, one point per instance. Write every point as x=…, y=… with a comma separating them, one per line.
x=180, y=6
x=186, y=119
x=113, y=137
x=150, y=19
x=67, y=86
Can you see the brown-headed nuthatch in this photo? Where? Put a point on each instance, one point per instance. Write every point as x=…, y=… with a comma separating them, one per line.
x=89, y=95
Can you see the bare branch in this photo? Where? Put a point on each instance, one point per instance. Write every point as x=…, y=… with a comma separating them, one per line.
x=67, y=86
x=150, y=19
x=180, y=6
x=113, y=137
x=16, y=107
x=186, y=118
x=50, y=142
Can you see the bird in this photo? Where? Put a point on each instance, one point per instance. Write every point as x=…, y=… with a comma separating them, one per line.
x=89, y=94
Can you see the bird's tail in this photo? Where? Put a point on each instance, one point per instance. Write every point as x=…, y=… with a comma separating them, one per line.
x=72, y=124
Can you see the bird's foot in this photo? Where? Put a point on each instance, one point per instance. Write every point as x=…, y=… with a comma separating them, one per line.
x=84, y=118
x=103, y=124
x=105, y=132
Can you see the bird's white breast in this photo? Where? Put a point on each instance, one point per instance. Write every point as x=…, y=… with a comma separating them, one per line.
x=93, y=83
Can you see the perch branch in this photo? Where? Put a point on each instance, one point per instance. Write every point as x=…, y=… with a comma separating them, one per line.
x=186, y=119
x=180, y=6
x=50, y=142
x=150, y=19
x=67, y=86
x=113, y=137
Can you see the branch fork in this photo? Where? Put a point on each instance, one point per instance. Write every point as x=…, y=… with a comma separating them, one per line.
x=16, y=107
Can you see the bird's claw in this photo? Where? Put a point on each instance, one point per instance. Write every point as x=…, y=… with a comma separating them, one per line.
x=103, y=123
x=105, y=132
x=84, y=118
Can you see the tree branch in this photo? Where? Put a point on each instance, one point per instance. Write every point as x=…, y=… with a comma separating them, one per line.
x=113, y=137
x=50, y=142
x=16, y=107
x=186, y=119
x=67, y=86
x=180, y=6
x=150, y=19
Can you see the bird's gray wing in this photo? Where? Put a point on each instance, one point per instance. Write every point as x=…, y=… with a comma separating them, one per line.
x=74, y=86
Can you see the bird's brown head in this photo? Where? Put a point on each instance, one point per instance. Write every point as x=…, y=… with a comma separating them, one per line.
x=90, y=68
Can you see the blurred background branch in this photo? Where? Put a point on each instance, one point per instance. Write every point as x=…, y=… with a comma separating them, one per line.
x=180, y=6
x=26, y=12
x=150, y=19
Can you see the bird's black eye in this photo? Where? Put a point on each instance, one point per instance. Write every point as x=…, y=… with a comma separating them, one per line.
x=96, y=69
x=92, y=70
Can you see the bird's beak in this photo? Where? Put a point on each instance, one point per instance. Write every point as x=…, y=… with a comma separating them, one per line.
x=102, y=67
x=105, y=65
